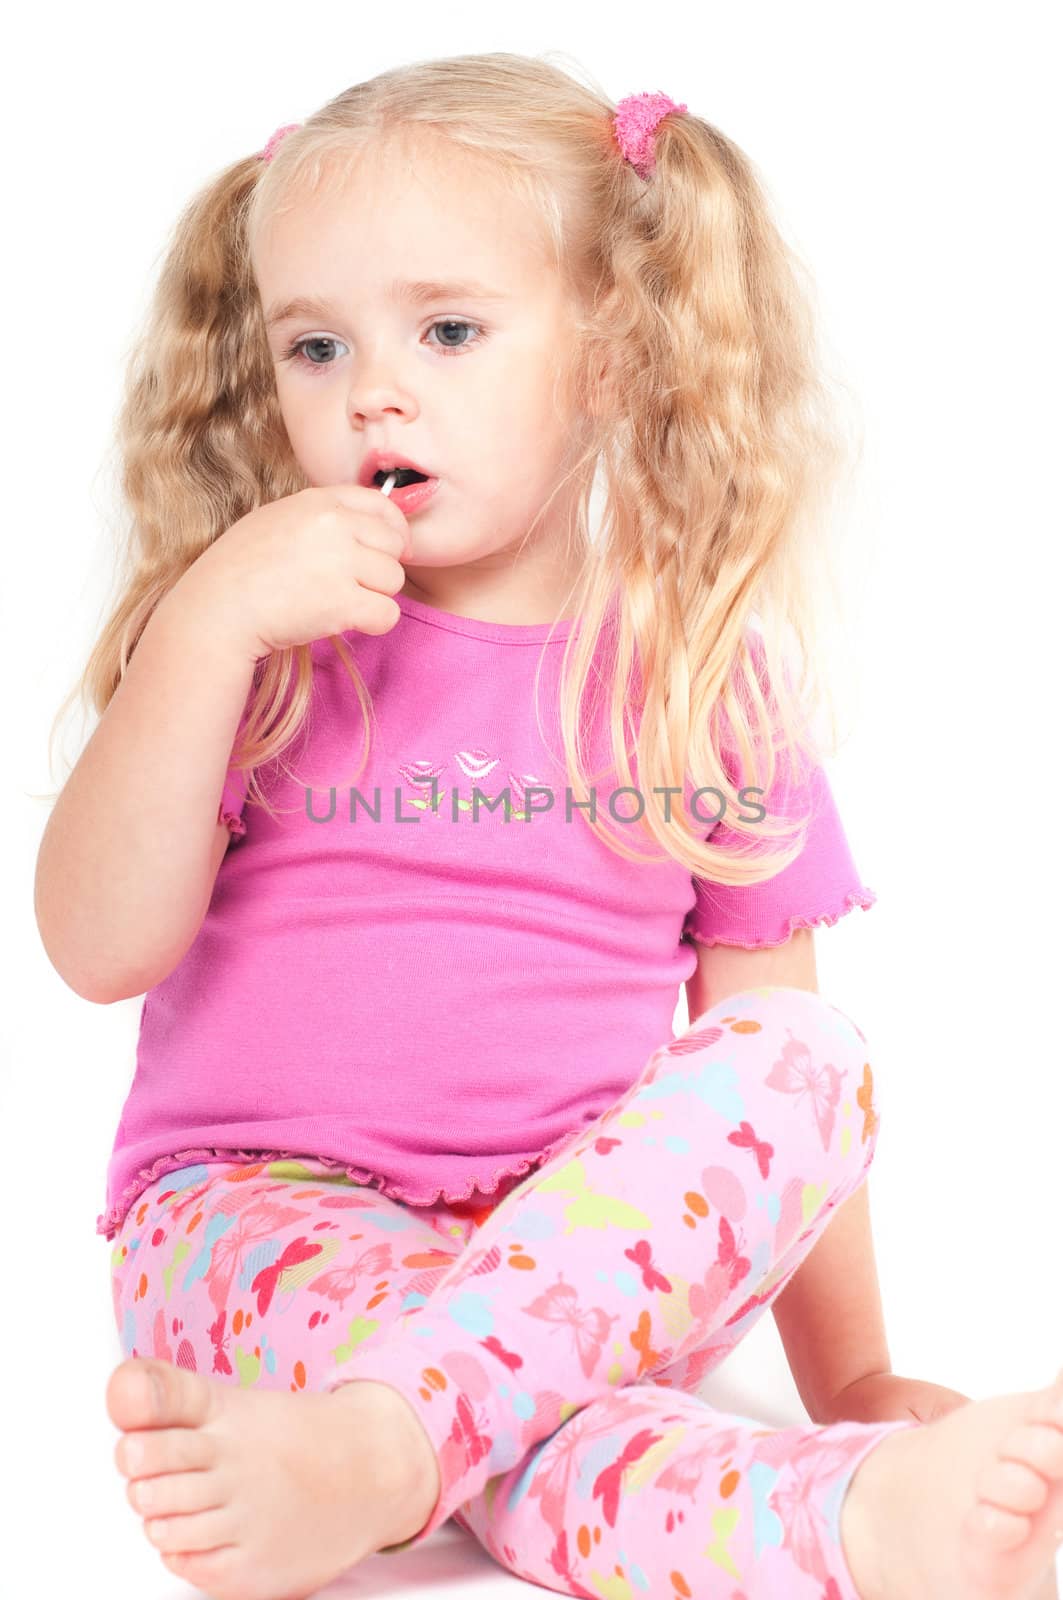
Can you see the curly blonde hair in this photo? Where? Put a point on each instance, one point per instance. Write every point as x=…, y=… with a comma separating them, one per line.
x=710, y=421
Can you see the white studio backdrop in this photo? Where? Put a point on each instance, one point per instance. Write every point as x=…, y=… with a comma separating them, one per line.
x=912, y=156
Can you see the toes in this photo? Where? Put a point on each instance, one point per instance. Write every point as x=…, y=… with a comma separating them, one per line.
x=152, y=1451
x=1012, y=1486
x=176, y=1492
x=1019, y=1482
x=212, y=1571
x=131, y=1394
x=146, y=1393
x=1036, y=1445
x=995, y=1528
x=204, y=1530
x=1048, y=1406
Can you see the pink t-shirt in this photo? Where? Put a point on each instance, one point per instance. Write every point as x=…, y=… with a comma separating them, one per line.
x=434, y=1000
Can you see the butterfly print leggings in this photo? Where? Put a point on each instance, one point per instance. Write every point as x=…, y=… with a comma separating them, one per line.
x=552, y=1342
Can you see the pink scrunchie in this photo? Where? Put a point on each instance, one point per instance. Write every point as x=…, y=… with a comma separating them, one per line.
x=269, y=150
x=635, y=123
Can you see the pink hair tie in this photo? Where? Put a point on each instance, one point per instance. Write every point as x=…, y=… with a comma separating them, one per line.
x=270, y=149
x=634, y=124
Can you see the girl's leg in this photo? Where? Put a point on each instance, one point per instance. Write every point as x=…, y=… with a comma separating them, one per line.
x=646, y=1247
x=272, y=1273
x=267, y=1275
x=643, y=1492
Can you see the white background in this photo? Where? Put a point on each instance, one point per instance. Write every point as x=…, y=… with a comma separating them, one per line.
x=912, y=154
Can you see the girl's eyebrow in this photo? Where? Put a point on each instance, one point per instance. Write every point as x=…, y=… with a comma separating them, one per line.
x=418, y=292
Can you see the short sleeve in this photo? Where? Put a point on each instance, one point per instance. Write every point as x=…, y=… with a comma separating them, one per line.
x=820, y=885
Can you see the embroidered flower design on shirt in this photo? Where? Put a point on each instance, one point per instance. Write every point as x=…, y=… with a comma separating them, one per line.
x=418, y=776
x=429, y=794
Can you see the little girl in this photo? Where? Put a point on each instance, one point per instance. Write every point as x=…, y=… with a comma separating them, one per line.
x=419, y=1209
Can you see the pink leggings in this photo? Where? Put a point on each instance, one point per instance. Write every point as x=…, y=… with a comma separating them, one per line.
x=552, y=1346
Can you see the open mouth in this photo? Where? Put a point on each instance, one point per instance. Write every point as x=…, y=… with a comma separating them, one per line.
x=403, y=476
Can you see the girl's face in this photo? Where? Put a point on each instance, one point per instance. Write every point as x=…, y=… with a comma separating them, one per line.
x=460, y=381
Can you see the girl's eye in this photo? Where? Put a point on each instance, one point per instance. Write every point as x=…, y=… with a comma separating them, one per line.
x=296, y=352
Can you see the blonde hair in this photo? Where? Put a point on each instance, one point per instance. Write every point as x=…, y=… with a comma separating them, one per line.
x=694, y=361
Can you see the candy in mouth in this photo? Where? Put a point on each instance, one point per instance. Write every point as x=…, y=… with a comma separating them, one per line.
x=403, y=475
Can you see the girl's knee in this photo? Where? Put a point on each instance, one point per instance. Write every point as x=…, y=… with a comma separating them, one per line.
x=820, y=1056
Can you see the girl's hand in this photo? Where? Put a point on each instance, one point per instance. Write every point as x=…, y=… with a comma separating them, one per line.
x=311, y=564
x=886, y=1397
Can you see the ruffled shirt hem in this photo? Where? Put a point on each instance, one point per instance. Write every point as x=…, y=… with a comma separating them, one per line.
x=109, y=1223
x=864, y=898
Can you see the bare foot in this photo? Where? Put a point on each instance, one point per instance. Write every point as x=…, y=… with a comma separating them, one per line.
x=969, y=1507
x=266, y=1495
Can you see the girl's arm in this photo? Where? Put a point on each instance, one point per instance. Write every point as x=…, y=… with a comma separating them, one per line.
x=127, y=862
x=829, y=1315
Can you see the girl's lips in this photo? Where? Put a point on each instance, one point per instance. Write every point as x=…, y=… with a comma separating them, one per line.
x=412, y=496
x=382, y=462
